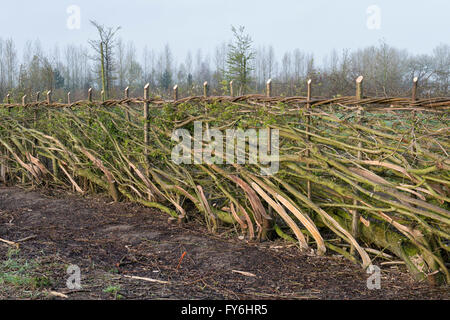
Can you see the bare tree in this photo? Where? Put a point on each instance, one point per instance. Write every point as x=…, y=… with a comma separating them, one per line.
x=107, y=41
x=387, y=70
x=10, y=61
x=133, y=69
x=3, y=88
x=121, y=64
x=149, y=66
x=441, y=58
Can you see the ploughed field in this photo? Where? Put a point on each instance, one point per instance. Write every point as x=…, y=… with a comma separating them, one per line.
x=110, y=242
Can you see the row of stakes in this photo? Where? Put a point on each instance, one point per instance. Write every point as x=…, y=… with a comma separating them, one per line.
x=205, y=91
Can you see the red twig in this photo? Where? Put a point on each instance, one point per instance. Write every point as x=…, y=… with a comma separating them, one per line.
x=181, y=259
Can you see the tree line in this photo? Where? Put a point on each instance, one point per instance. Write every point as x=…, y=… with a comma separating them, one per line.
x=388, y=71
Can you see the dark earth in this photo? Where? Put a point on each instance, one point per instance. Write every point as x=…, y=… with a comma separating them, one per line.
x=46, y=231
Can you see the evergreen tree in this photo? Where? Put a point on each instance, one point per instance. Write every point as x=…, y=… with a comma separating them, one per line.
x=166, y=80
x=58, y=80
x=239, y=59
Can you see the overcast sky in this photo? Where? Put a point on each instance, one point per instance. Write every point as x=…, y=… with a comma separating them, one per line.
x=315, y=26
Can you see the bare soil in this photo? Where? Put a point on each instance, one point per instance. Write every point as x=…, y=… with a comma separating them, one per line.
x=112, y=241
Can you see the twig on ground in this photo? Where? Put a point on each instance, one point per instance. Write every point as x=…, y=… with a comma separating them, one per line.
x=11, y=243
x=244, y=273
x=26, y=238
x=58, y=294
x=147, y=279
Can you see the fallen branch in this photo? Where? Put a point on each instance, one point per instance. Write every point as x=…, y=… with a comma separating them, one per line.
x=147, y=279
x=244, y=273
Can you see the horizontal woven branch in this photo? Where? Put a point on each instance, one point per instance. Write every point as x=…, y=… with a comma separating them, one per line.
x=432, y=103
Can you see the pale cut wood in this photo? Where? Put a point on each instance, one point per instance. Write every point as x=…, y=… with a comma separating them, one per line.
x=414, y=89
x=205, y=89
x=244, y=273
x=11, y=243
x=49, y=96
x=175, y=93
x=127, y=95
x=58, y=294
x=280, y=210
x=146, y=279
x=269, y=88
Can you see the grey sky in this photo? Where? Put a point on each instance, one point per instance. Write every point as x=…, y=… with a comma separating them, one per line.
x=315, y=26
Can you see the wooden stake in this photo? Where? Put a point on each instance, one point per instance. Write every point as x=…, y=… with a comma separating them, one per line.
x=49, y=97
x=68, y=97
x=127, y=96
x=146, y=119
x=54, y=162
x=309, y=92
x=359, y=88
x=414, y=89
x=38, y=95
x=175, y=93
x=90, y=94
x=231, y=89
x=3, y=167
x=205, y=89
x=269, y=130
x=355, y=220
x=269, y=88
x=24, y=100
x=414, y=119
x=308, y=122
